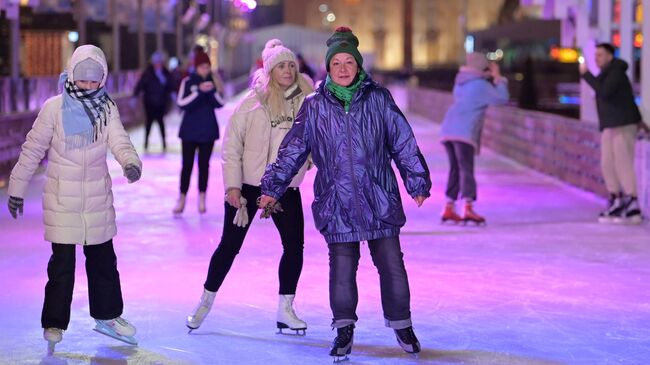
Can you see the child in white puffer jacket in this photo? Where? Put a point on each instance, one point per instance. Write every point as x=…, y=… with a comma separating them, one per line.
x=76, y=129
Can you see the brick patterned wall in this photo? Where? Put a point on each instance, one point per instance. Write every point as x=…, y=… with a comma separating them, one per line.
x=14, y=128
x=558, y=146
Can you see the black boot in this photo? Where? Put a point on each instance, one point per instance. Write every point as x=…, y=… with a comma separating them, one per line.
x=629, y=211
x=406, y=338
x=342, y=345
x=613, y=210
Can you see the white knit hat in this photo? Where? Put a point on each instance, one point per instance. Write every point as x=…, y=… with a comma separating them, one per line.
x=275, y=52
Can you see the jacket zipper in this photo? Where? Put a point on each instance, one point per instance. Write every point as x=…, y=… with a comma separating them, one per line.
x=83, y=194
x=354, y=183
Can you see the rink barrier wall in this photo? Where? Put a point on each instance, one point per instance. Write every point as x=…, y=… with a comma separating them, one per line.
x=14, y=129
x=563, y=147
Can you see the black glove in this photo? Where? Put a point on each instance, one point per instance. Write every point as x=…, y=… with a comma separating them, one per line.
x=132, y=173
x=15, y=206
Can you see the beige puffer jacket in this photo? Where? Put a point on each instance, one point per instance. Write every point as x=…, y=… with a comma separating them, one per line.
x=249, y=145
x=77, y=198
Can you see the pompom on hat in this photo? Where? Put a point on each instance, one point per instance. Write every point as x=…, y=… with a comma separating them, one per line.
x=275, y=52
x=343, y=41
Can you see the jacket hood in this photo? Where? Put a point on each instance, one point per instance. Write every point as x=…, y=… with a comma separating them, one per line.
x=617, y=63
x=84, y=52
x=466, y=74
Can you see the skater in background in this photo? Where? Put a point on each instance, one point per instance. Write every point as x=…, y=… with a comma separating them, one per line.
x=304, y=67
x=353, y=129
x=199, y=94
x=156, y=85
x=253, y=136
x=75, y=129
x=478, y=85
x=619, y=121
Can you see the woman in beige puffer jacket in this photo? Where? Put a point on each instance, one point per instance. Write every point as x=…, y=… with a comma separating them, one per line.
x=253, y=136
x=77, y=197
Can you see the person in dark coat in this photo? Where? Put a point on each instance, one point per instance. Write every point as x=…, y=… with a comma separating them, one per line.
x=156, y=86
x=198, y=96
x=619, y=121
x=354, y=130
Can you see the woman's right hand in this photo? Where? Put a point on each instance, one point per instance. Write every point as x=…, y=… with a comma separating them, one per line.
x=232, y=197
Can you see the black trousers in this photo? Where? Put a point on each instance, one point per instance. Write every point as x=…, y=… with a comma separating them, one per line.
x=291, y=226
x=461, y=171
x=393, y=281
x=189, y=151
x=154, y=114
x=104, y=291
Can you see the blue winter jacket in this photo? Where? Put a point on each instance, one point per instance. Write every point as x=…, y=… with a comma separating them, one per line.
x=473, y=94
x=199, y=122
x=356, y=192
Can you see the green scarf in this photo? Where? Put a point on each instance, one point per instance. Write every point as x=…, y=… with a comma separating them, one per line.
x=345, y=93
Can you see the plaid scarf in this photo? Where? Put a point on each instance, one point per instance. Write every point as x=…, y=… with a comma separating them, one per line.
x=81, y=107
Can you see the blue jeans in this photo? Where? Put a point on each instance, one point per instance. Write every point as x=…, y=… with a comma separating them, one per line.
x=395, y=295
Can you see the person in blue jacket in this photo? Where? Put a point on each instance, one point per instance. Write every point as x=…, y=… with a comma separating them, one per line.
x=198, y=96
x=353, y=130
x=478, y=85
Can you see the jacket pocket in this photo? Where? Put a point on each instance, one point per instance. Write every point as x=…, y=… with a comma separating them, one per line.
x=323, y=207
x=386, y=206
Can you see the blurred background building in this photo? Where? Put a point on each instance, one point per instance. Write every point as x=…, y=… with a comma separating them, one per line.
x=537, y=42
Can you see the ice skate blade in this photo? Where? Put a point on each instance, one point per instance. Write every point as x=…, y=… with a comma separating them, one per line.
x=297, y=331
x=475, y=223
x=50, y=347
x=107, y=332
x=452, y=221
x=340, y=358
x=628, y=221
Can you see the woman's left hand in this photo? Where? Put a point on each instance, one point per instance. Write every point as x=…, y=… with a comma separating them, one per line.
x=419, y=200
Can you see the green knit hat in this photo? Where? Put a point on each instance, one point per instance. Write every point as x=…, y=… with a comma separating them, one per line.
x=343, y=41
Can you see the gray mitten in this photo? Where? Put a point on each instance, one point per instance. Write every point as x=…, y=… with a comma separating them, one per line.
x=15, y=205
x=241, y=217
x=132, y=173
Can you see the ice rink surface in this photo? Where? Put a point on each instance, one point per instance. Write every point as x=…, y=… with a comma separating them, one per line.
x=542, y=284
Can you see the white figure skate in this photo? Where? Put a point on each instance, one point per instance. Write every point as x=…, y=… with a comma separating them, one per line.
x=118, y=328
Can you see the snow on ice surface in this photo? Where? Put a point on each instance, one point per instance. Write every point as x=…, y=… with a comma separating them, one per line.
x=542, y=284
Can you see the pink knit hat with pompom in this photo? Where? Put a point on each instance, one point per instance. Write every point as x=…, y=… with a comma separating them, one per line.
x=275, y=52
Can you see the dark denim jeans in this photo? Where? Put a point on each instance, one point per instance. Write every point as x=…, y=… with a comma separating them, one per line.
x=395, y=295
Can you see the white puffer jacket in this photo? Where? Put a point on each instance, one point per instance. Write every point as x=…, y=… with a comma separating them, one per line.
x=77, y=198
x=249, y=146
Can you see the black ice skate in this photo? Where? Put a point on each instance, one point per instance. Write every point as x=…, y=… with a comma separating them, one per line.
x=342, y=345
x=407, y=340
x=629, y=211
x=614, y=209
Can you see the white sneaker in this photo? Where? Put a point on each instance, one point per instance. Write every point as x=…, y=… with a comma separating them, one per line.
x=195, y=319
x=287, y=317
x=120, y=325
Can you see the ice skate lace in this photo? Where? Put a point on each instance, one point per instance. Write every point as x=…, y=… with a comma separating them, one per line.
x=407, y=335
x=121, y=321
x=343, y=336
